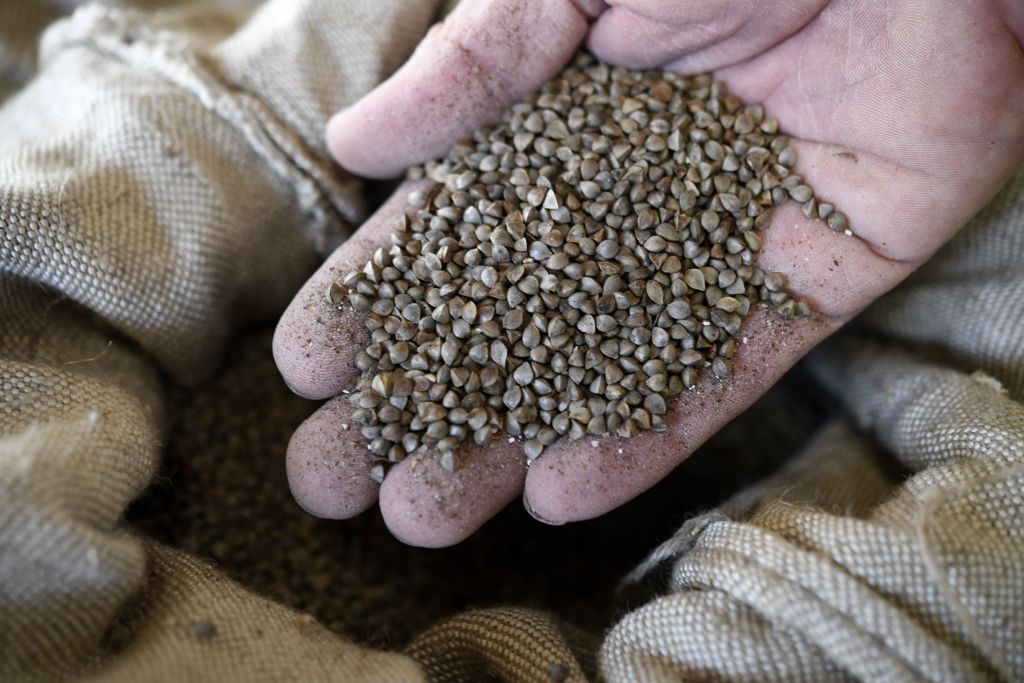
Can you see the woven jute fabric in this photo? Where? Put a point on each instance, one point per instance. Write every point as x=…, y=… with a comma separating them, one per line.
x=163, y=183
x=193, y=624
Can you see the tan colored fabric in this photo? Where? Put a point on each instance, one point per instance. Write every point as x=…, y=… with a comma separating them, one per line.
x=163, y=181
x=79, y=442
x=156, y=192
x=505, y=644
x=194, y=624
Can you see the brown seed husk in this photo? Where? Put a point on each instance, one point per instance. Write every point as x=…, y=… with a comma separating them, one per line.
x=605, y=222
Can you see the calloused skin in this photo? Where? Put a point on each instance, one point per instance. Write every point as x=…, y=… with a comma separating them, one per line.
x=908, y=114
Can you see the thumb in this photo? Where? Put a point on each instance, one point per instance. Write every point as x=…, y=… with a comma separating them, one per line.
x=695, y=35
x=465, y=72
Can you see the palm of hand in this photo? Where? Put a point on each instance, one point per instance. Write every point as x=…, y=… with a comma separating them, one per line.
x=910, y=128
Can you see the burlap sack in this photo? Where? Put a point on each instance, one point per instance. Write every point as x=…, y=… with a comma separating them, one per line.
x=162, y=181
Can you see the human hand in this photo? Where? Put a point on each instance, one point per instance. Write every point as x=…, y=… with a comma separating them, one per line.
x=910, y=115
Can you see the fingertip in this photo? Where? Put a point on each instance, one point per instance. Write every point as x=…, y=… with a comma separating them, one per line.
x=309, y=364
x=577, y=481
x=334, y=136
x=417, y=519
x=350, y=134
x=425, y=505
x=328, y=472
x=407, y=525
x=536, y=515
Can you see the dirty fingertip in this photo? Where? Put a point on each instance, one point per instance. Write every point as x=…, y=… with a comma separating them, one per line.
x=426, y=505
x=328, y=472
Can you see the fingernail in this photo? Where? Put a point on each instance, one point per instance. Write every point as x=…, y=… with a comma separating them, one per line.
x=529, y=508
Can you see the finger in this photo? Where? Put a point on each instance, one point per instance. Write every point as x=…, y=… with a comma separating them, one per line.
x=328, y=464
x=425, y=505
x=315, y=347
x=694, y=36
x=316, y=341
x=836, y=273
x=468, y=69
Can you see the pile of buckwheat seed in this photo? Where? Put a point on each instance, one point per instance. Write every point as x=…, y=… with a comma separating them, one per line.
x=574, y=267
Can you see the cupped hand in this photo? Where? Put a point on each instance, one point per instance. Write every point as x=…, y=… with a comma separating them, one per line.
x=908, y=114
